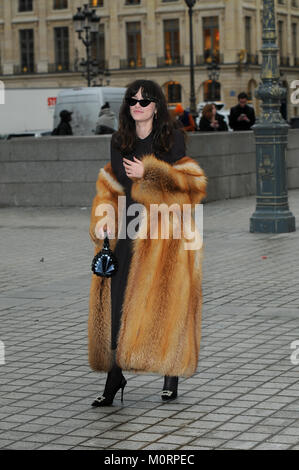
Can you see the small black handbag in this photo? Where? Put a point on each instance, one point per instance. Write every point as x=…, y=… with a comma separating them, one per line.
x=105, y=263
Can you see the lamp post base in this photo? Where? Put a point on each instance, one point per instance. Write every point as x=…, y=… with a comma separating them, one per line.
x=278, y=222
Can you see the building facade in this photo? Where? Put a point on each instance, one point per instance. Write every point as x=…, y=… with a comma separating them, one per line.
x=147, y=39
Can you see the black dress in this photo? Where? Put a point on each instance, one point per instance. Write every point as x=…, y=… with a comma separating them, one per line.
x=123, y=248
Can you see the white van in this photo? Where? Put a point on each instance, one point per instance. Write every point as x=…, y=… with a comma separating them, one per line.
x=27, y=109
x=85, y=104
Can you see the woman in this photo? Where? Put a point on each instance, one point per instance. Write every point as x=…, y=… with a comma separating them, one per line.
x=211, y=120
x=146, y=318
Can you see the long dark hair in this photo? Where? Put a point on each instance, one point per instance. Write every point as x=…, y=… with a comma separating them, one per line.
x=163, y=123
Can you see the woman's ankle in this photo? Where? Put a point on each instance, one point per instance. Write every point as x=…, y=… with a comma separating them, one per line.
x=170, y=382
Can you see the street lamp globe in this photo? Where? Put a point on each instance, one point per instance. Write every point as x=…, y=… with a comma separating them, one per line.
x=190, y=3
x=94, y=22
x=78, y=19
x=214, y=71
x=87, y=12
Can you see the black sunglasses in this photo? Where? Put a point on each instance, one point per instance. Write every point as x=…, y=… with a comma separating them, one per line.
x=143, y=103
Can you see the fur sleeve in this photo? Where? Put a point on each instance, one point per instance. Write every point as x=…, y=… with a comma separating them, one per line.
x=182, y=183
x=108, y=190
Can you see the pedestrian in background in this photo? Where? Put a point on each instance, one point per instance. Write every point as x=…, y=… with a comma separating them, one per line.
x=242, y=116
x=211, y=121
x=185, y=118
x=147, y=317
x=64, y=127
x=106, y=121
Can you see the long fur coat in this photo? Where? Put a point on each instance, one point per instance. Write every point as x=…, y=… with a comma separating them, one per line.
x=161, y=318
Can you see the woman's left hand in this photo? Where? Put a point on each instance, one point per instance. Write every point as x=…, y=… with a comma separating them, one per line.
x=133, y=169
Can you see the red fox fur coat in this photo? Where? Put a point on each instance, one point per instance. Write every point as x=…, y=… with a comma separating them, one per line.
x=161, y=317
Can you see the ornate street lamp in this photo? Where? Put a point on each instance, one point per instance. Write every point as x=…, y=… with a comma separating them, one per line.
x=104, y=78
x=86, y=22
x=190, y=4
x=272, y=213
x=214, y=72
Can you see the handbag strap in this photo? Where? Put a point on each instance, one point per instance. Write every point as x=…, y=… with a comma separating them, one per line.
x=106, y=241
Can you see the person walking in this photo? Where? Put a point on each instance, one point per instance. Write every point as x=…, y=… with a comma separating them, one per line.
x=64, y=127
x=211, y=121
x=242, y=116
x=185, y=118
x=146, y=318
x=106, y=121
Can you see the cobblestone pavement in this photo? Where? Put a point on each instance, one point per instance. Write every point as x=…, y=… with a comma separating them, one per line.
x=245, y=394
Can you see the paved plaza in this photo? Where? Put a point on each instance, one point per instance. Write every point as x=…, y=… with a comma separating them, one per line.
x=245, y=394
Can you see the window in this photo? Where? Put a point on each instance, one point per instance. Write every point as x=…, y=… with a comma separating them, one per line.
x=280, y=37
x=248, y=34
x=173, y=92
x=132, y=2
x=212, y=91
x=98, y=47
x=171, y=42
x=27, y=50
x=25, y=5
x=211, y=39
x=59, y=4
x=61, y=39
x=294, y=39
x=96, y=3
x=134, y=53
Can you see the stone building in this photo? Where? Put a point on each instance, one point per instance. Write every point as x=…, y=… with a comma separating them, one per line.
x=147, y=39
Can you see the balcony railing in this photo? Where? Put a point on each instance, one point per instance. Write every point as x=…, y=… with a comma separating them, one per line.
x=170, y=61
x=66, y=67
x=24, y=70
x=56, y=68
x=252, y=59
x=285, y=61
x=100, y=65
x=202, y=60
x=132, y=63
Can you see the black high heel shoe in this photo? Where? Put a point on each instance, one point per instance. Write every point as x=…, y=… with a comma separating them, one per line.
x=107, y=399
x=170, y=388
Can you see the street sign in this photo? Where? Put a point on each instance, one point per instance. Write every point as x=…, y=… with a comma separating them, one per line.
x=52, y=101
